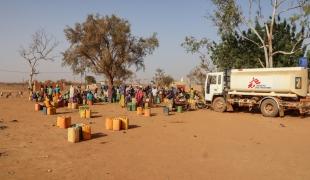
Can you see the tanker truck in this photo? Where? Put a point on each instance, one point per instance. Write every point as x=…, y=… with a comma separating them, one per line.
x=270, y=90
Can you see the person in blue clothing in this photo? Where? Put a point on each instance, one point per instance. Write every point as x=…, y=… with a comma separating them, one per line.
x=90, y=96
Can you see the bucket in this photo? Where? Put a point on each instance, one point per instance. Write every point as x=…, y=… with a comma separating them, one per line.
x=179, y=109
x=116, y=124
x=87, y=113
x=73, y=134
x=86, y=130
x=147, y=112
x=109, y=124
x=124, y=123
x=139, y=110
x=166, y=111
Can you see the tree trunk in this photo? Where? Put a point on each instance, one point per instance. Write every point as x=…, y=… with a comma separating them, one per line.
x=266, y=57
x=30, y=82
x=110, y=86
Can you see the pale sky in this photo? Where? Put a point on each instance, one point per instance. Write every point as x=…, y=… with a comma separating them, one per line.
x=172, y=20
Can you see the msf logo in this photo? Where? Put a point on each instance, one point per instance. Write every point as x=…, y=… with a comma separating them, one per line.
x=253, y=83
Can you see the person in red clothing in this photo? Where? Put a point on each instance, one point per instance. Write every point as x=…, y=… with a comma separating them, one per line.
x=139, y=97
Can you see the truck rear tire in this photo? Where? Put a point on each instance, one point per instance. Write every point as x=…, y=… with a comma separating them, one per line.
x=269, y=108
x=219, y=104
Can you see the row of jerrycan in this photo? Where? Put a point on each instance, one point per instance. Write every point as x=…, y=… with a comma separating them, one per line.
x=146, y=111
x=117, y=123
x=76, y=132
x=46, y=110
x=79, y=132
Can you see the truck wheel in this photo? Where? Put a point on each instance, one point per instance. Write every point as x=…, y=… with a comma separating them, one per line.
x=269, y=108
x=219, y=104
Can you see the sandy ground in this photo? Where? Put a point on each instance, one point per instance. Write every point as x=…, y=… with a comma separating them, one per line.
x=194, y=145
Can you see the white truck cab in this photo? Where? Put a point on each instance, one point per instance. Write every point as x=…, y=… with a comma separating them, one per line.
x=214, y=85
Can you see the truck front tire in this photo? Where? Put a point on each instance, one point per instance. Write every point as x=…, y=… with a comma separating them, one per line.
x=269, y=108
x=219, y=104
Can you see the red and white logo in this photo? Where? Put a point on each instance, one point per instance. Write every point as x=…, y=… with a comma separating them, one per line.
x=253, y=83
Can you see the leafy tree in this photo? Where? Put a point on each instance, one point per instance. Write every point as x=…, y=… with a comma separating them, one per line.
x=234, y=51
x=40, y=49
x=90, y=79
x=228, y=17
x=161, y=79
x=105, y=44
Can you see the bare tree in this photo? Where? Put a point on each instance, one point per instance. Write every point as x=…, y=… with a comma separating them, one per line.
x=40, y=48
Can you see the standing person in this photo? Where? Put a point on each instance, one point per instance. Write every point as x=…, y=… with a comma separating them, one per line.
x=113, y=94
x=191, y=94
x=90, y=98
x=118, y=94
x=154, y=94
x=71, y=93
x=139, y=97
x=122, y=95
x=50, y=93
x=57, y=91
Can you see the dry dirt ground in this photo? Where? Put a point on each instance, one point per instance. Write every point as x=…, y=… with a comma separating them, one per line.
x=194, y=145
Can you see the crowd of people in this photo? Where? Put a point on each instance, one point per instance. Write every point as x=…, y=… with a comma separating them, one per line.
x=122, y=94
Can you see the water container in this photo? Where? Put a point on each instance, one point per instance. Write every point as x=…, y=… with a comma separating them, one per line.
x=157, y=100
x=73, y=134
x=146, y=105
x=87, y=113
x=303, y=62
x=179, y=109
x=147, y=112
x=133, y=106
x=139, y=111
x=74, y=105
x=109, y=124
x=82, y=113
x=124, y=123
x=86, y=130
x=129, y=106
x=69, y=105
x=37, y=107
x=44, y=110
x=166, y=111
x=51, y=111
x=63, y=122
x=116, y=124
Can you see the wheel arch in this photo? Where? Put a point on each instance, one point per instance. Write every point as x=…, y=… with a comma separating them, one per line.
x=269, y=97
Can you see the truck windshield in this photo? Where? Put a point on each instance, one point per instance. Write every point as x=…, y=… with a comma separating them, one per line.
x=212, y=79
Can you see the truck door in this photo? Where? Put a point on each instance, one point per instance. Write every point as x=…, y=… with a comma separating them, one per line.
x=213, y=85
